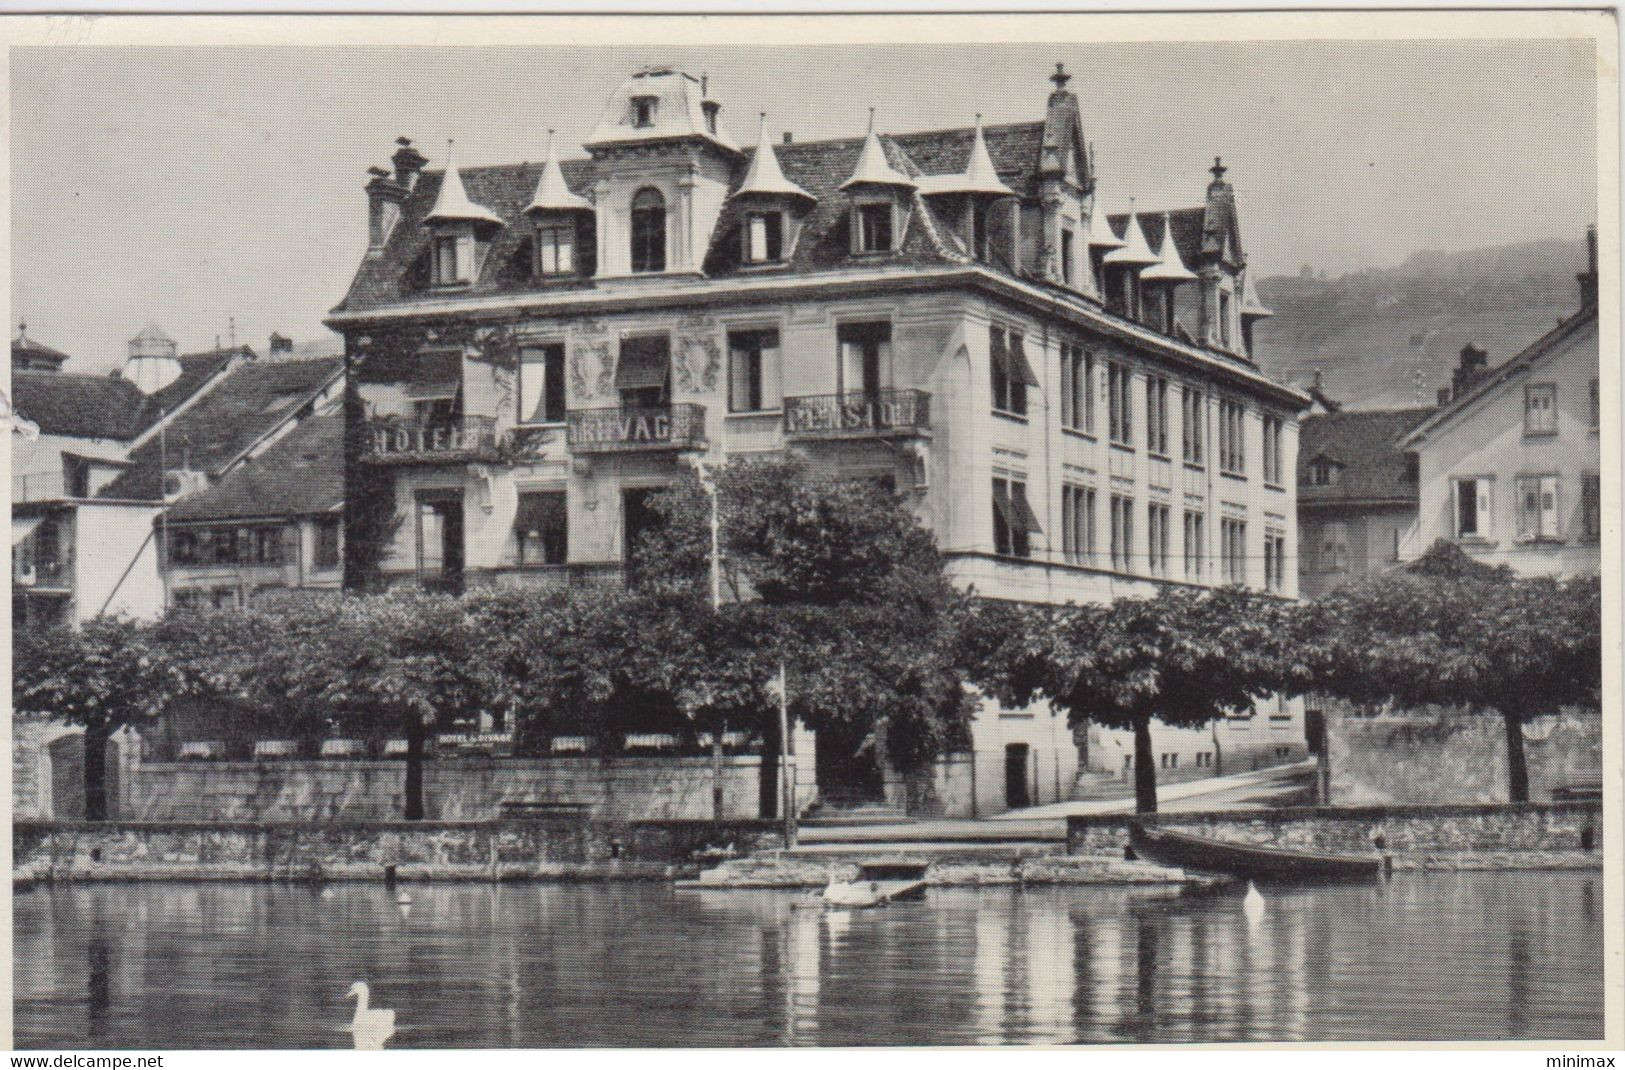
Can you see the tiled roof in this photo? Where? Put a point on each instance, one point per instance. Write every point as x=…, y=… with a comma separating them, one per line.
x=196, y=370
x=1495, y=377
x=244, y=407
x=302, y=474
x=1364, y=444
x=82, y=406
x=401, y=273
x=25, y=352
x=1189, y=226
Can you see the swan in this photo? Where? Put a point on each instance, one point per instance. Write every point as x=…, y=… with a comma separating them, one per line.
x=369, y=1028
x=402, y=899
x=1253, y=904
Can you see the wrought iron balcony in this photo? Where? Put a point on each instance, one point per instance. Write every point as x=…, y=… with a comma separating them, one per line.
x=633, y=428
x=452, y=439
x=872, y=414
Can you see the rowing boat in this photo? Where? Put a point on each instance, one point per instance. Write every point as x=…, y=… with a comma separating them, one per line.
x=1185, y=851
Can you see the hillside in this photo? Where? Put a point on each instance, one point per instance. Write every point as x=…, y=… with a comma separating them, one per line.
x=1369, y=332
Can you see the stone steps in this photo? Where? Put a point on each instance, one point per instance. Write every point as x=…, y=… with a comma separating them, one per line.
x=1092, y=787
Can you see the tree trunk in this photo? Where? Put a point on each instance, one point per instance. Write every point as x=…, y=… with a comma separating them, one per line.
x=415, y=737
x=716, y=775
x=767, y=791
x=1145, y=768
x=1517, y=762
x=96, y=736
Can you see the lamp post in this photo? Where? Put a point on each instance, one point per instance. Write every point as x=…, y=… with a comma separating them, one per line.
x=708, y=482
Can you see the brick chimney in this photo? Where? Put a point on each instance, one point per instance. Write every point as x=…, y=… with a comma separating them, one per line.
x=1588, y=277
x=409, y=163
x=1474, y=363
x=280, y=346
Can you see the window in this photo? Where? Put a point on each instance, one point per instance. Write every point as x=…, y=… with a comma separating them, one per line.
x=183, y=547
x=1224, y=319
x=1078, y=524
x=1066, y=255
x=1540, y=409
x=1193, y=413
x=1324, y=472
x=1272, y=450
x=753, y=371
x=1195, y=545
x=980, y=245
x=555, y=248
x=1156, y=414
x=1156, y=533
x=874, y=226
x=648, y=231
x=865, y=357
x=1122, y=531
x=1274, y=561
x=1014, y=522
x=268, y=546
x=643, y=111
x=764, y=237
x=1596, y=406
x=541, y=528
x=541, y=384
x=1538, y=508
x=1591, y=505
x=1011, y=374
x=225, y=598
x=1077, y=389
x=1117, y=403
x=447, y=260
x=327, y=542
x=1232, y=444
x=1472, y=506
x=643, y=374
x=1233, y=549
x=1334, y=546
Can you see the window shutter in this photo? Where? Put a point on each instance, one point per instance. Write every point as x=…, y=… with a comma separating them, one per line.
x=1484, y=501
x=1550, y=525
x=1528, y=507
x=1026, y=519
x=772, y=384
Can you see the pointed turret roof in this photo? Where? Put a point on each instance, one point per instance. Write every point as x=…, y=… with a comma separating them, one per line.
x=1135, y=251
x=452, y=203
x=1250, y=304
x=979, y=176
x=873, y=168
x=552, y=193
x=1171, y=267
x=1100, y=234
x=764, y=178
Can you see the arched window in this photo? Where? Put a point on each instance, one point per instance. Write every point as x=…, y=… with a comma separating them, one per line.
x=648, y=231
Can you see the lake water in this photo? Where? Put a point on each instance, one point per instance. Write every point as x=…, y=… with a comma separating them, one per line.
x=1475, y=956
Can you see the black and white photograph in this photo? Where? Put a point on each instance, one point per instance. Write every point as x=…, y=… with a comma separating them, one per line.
x=659, y=532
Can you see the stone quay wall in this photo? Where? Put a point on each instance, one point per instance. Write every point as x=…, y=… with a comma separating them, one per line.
x=556, y=848
x=454, y=789
x=1415, y=835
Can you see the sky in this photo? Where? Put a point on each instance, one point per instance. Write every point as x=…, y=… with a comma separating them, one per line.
x=200, y=186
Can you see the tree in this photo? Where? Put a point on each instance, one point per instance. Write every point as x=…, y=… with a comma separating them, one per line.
x=1451, y=635
x=103, y=676
x=853, y=601
x=1184, y=658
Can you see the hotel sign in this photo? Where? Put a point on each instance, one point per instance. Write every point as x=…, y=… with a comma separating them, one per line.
x=884, y=412
x=629, y=428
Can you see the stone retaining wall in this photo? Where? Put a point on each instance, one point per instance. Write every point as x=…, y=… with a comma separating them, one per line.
x=557, y=848
x=454, y=789
x=1408, y=830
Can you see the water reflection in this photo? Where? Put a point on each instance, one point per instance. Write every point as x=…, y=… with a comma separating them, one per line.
x=221, y=965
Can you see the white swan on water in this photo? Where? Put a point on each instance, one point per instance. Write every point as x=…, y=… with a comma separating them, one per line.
x=841, y=893
x=1253, y=904
x=369, y=1028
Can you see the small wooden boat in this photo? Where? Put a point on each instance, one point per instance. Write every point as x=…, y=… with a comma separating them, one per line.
x=1185, y=851
x=877, y=883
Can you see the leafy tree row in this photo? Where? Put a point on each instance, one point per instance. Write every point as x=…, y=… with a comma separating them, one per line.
x=836, y=583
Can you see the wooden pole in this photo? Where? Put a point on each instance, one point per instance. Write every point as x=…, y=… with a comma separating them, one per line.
x=786, y=770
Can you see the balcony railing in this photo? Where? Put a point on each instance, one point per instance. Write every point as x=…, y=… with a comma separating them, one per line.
x=632, y=428
x=874, y=414
x=440, y=440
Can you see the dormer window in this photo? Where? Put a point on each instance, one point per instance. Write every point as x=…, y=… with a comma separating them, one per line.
x=555, y=248
x=1324, y=472
x=1067, y=270
x=648, y=231
x=980, y=245
x=764, y=237
x=873, y=227
x=643, y=111
x=451, y=260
